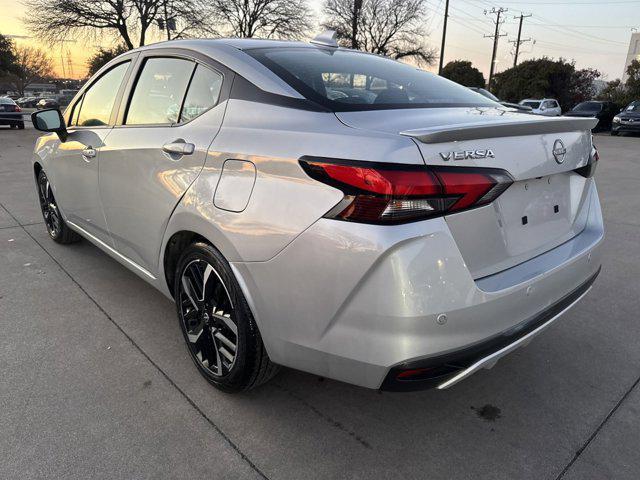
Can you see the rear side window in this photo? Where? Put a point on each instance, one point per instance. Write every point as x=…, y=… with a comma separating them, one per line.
x=159, y=91
x=94, y=109
x=203, y=94
x=345, y=80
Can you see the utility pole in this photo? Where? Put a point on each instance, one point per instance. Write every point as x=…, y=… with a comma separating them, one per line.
x=357, y=7
x=519, y=42
x=496, y=36
x=444, y=36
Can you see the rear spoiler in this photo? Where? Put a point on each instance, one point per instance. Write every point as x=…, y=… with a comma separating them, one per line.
x=500, y=128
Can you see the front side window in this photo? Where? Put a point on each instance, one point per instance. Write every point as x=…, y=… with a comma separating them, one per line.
x=344, y=80
x=95, y=108
x=203, y=94
x=159, y=91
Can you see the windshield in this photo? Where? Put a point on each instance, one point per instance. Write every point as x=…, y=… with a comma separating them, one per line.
x=633, y=107
x=533, y=105
x=588, y=107
x=344, y=80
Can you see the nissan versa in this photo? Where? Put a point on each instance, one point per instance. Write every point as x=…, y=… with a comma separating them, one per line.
x=325, y=209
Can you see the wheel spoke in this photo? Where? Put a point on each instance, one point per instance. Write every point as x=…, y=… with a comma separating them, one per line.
x=225, y=318
x=188, y=290
x=228, y=343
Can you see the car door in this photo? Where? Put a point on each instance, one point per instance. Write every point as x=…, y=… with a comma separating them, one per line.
x=73, y=171
x=169, y=116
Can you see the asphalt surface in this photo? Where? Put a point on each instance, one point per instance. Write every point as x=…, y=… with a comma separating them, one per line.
x=95, y=381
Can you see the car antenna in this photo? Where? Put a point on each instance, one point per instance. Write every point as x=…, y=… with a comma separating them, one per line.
x=326, y=38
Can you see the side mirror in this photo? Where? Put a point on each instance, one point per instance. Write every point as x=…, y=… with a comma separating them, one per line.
x=50, y=120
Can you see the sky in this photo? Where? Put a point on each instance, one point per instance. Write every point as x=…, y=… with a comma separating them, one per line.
x=594, y=33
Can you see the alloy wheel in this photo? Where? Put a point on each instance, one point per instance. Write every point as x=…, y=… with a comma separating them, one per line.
x=50, y=210
x=208, y=317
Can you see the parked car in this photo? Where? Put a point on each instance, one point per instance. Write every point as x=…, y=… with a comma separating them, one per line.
x=393, y=237
x=603, y=111
x=10, y=113
x=628, y=120
x=491, y=96
x=27, y=102
x=545, y=106
x=47, y=103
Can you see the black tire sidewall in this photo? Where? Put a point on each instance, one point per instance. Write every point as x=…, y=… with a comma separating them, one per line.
x=248, y=336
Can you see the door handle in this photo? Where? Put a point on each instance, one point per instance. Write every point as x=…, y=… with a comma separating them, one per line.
x=178, y=148
x=89, y=152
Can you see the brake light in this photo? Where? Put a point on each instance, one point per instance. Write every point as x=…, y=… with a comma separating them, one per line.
x=384, y=193
x=590, y=168
x=17, y=109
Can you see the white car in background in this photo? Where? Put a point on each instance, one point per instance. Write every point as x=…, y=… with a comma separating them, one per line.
x=548, y=107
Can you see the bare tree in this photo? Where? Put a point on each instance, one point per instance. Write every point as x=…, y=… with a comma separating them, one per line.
x=30, y=64
x=394, y=28
x=260, y=18
x=131, y=20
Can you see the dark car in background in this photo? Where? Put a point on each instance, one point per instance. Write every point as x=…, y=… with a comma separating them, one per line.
x=27, y=102
x=47, y=103
x=491, y=96
x=10, y=113
x=628, y=120
x=603, y=111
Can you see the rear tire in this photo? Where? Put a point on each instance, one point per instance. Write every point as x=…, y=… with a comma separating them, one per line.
x=614, y=133
x=58, y=229
x=220, y=332
x=21, y=126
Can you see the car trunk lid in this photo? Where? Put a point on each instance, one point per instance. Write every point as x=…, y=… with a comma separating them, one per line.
x=545, y=206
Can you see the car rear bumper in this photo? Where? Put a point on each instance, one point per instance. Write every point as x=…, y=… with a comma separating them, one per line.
x=11, y=118
x=447, y=370
x=356, y=302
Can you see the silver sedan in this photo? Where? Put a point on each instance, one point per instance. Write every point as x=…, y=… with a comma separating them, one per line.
x=325, y=209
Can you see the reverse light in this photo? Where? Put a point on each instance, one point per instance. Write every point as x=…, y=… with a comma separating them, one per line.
x=385, y=193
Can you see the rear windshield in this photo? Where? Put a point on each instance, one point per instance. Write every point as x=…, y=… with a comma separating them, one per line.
x=533, y=105
x=588, y=107
x=344, y=80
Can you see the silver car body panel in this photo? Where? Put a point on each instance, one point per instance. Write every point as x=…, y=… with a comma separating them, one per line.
x=344, y=300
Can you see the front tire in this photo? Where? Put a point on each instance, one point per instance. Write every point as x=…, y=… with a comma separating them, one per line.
x=221, y=334
x=58, y=230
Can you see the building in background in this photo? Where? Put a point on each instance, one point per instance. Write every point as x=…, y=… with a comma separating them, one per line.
x=633, y=54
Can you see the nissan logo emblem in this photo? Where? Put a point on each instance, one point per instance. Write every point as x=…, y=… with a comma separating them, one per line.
x=559, y=151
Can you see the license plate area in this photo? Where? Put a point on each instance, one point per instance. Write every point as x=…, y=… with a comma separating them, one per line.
x=538, y=211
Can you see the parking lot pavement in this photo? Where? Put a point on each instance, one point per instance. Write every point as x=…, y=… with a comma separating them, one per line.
x=564, y=407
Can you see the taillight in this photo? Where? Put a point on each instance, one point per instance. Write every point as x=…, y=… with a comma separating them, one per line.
x=385, y=193
x=17, y=109
x=590, y=168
